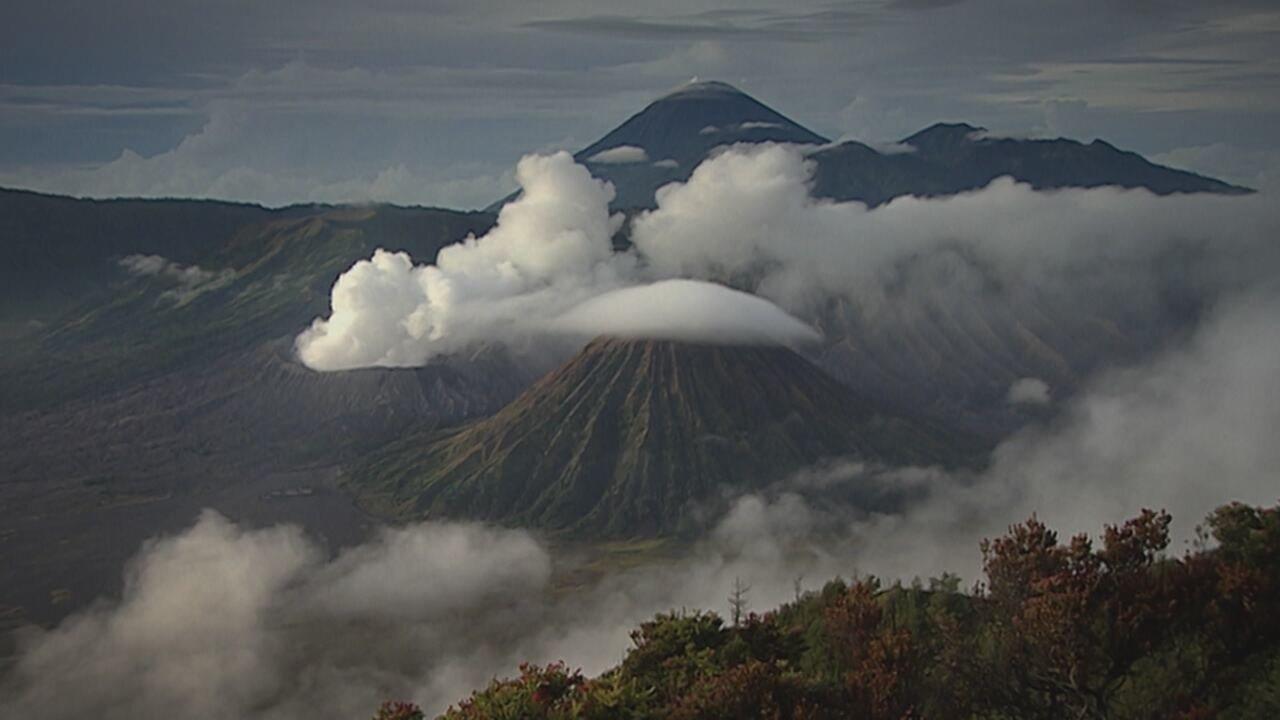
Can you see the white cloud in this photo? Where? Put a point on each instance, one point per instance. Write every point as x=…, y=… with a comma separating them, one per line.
x=620, y=155
x=1256, y=168
x=746, y=215
x=550, y=249
x=745, y=218
x=1029, y=391
x=189, y=280
x=187, y=638
x=871, y=121
x=228, y=623
x=1188, y=431
x=686, y=310
x=223, y=622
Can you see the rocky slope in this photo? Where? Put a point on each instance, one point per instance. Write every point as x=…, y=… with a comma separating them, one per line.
x=639, y=438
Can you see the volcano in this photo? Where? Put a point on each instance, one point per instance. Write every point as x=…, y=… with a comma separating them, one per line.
x=684, y=125
x=666, y=141
x=632, y=437
x=676, y=132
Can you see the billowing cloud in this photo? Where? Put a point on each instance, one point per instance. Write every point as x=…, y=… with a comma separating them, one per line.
x=188, y=275
x=1029, y=391
x=1145, y=436
x=549, y=250
x=1153, y=435
x=687, y=310
x=188, y=280
x=746, y=215
x=745, y=218
x=620, y=155
x=225, y=622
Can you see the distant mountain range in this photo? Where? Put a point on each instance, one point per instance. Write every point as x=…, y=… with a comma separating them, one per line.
x=945, y=159
x=666, y=140
x=635, y=437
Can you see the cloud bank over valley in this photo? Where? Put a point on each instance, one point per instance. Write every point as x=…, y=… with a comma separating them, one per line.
x=745, y=219
x=221, y=621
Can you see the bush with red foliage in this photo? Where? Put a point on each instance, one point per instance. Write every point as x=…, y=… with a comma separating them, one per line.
x=754, y=690
x=879, y=661
x=396, y=710
x=540, y=693
x=1070, y=621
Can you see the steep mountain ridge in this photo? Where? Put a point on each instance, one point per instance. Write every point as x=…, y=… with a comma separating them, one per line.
x=134, y=400
x=948, y=158
x=686, y=125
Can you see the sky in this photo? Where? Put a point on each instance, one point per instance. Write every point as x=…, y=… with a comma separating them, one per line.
x=434, y=102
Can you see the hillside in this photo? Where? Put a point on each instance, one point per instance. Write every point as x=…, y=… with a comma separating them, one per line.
x=129, y=401
x=629, y=437
x=1059, y=630
x=56, y=250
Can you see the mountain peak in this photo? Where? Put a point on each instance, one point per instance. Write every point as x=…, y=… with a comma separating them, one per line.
x=941, y=135
x=678, y=130
x=666, y=140
x=699, y=115
x=702, y=88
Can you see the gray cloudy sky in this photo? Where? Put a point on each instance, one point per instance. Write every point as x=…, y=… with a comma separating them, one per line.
x=433, y=102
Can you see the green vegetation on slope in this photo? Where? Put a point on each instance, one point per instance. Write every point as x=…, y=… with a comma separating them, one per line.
x=1057, y=630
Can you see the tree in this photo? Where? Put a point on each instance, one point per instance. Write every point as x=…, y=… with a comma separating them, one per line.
x=753, y=690
x=671, y=651
x=879, y=662
x=393, y=710
x=1083, y=630
x=1070, y=621
x=738, y=601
